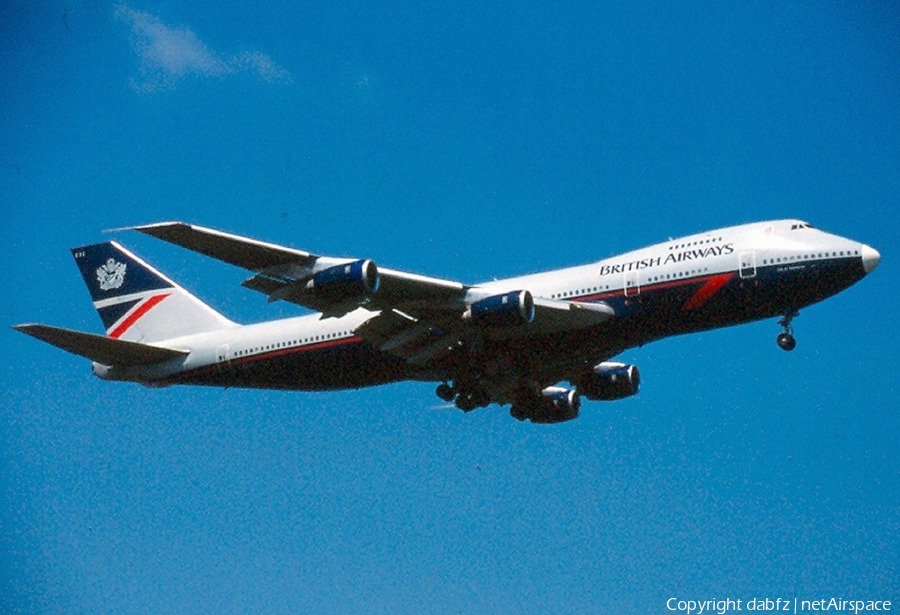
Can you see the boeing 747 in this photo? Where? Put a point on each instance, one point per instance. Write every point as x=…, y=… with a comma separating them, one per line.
x=511, y=341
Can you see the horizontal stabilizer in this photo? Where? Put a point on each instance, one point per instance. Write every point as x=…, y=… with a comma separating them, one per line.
x=99, y=348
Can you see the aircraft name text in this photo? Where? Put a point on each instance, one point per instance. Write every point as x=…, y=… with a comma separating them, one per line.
x=674, y=257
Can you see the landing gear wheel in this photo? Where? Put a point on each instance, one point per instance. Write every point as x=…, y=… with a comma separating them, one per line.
x=469, y=400
x=445, y=392
x=466, y=402
x=786, y=341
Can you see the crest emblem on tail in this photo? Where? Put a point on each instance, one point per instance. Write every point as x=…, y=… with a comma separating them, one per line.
x=111, y=275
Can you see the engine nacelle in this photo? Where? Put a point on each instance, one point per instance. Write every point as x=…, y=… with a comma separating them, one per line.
x=350, y=280
x=610, y=380
x=506, y=310
x=553, y=405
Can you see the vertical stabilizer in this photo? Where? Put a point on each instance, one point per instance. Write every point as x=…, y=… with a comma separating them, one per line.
x=138, y=303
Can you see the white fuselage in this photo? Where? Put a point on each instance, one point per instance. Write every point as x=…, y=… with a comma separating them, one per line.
x=716, y=278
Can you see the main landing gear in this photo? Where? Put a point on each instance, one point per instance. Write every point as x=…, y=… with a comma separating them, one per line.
x=465, y=399
x=445, y=392
x=785, y=339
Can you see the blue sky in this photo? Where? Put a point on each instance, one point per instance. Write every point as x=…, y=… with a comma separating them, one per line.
x=467, y=141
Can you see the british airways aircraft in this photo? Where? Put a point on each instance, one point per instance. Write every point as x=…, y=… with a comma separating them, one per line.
x=509, y=341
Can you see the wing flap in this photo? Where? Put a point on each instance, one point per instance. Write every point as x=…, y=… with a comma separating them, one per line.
x=416, y=341
x=384, y=326
x=264, y=284
x=99, y=348
x=555, y=315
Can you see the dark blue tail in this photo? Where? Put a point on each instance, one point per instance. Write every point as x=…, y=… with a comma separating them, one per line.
x=138, y=303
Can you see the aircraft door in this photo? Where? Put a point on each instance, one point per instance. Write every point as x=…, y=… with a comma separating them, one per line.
x=632, y=284
x=223, y=359
x=748, y=264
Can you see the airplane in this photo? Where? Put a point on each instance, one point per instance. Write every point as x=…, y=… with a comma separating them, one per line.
x=510, y=341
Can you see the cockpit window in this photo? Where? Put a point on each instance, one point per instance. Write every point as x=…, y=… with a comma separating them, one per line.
x=801, y=225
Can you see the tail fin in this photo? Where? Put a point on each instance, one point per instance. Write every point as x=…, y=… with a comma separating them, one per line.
x=136, y=302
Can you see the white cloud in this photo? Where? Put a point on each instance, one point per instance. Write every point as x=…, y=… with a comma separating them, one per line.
x=261, y=64
x=170, y=53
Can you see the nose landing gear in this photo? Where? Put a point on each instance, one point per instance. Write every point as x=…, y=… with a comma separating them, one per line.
x=785, y=339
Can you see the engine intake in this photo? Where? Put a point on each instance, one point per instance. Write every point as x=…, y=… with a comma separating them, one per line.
x=506, y=310
x=350, y=280
x=610, y=380
x=553, y=405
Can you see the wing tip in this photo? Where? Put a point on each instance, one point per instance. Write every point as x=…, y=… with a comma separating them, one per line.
x=148, y=229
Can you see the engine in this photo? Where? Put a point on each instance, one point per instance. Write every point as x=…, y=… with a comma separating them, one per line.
x=350, y=280
x=506, y=310
x=553, y=405
x=610, y=380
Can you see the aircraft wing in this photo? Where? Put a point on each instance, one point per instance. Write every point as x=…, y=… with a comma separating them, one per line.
x=416, y=317
x=423, y=340
x=287, y=273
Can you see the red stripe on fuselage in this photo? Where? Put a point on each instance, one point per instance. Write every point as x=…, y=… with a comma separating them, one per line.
x=654, y=286
x=262, y=357
x=136, y=315
x=706, y=291
x=278, y=352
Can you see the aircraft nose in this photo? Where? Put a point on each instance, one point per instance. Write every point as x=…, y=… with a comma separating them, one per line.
x=870, y=258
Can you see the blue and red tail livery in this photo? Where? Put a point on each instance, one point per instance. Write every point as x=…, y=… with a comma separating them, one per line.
x=111, y=271
x=505, y=341
x=130, y=296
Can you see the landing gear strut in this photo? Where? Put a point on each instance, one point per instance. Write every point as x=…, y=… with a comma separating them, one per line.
x=785, y=339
